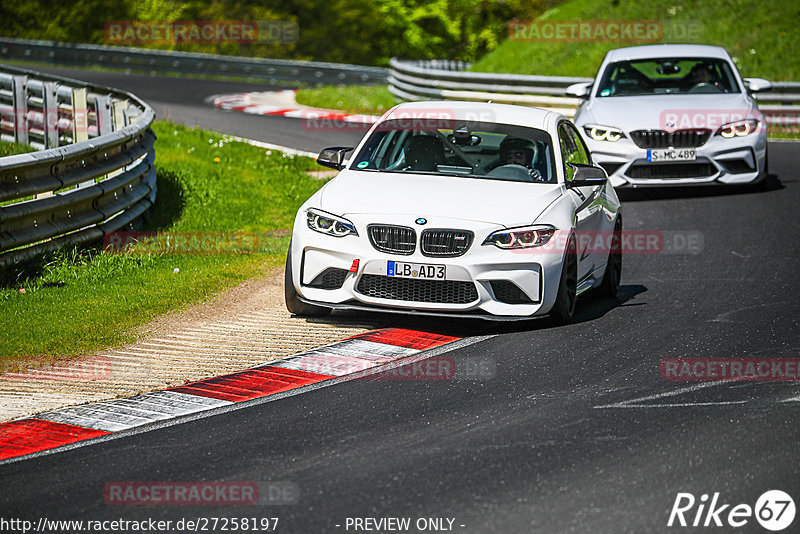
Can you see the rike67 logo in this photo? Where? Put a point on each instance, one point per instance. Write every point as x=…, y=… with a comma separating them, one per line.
x=774, y=510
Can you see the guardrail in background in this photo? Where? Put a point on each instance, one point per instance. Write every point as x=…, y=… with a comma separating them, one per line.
x=187, y=63
x=447, y=80
x=94, y=175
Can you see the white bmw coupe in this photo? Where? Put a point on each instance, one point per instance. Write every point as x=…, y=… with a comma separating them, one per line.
x=459, y=209
x=666, y=115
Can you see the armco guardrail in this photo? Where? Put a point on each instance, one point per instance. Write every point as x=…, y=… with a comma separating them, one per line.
x=95, y=171
x=186, y=63
x=447, y=80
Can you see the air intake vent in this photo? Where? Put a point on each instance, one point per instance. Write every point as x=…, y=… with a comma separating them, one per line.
x=412, y=290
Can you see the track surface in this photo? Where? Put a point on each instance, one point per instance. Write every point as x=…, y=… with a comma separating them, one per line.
x=544, y=445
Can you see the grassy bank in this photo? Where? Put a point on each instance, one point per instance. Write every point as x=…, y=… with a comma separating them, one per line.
x=761, y=36
x=368, y=99
x=80, y=301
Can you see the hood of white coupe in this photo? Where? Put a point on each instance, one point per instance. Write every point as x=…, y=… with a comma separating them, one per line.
x=419, y=195
x=649, y=112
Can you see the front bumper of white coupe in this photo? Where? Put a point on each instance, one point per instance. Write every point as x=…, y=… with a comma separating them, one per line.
x=484, y=281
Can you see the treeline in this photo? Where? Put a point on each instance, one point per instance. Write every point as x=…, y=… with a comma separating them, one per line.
x=367, y=32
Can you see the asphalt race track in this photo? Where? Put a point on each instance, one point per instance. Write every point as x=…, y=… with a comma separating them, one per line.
x=573, y=430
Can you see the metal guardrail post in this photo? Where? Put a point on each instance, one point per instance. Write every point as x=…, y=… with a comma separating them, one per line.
x=80, y=115
x=19, y=98
x=76, y=193
x=50, y=114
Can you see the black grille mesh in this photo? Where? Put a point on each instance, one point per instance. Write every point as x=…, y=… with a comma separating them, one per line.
x=392, y=239
x=330, y=278
x=508, y=292
x=436, y=291
x=664, y=139
x=671, y=170
x=445, y=242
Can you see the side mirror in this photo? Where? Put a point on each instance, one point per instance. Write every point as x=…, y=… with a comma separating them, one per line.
x=333, y=157
x=586, y=175
x=757, y=85
x=579, y=90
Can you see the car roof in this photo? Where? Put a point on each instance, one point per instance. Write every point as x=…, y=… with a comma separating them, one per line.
x=475, y=112
x=666, y=50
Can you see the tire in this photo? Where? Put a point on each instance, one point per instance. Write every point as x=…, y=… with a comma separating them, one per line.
x=293, y=302
x=767, y=183
x=609, y=286
x=563, y=311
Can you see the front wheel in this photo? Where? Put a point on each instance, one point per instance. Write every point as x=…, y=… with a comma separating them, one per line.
x=563, y=311
x=293, y=302
x=609, y=286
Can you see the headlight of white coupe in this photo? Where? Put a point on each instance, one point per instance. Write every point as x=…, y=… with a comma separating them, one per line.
x=327, y=223
x=603, y=133
x=738, y=128
x=524, y=237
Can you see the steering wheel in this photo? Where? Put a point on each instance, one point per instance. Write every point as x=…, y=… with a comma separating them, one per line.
x=705, y=87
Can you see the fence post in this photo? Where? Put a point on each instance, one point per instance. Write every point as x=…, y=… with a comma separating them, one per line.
x=102, y=104
x=80, y=115
x=50, y=112
x=19, y=97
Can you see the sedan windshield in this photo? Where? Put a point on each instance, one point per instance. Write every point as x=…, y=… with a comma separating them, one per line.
x=668, y=76
x=458, y=148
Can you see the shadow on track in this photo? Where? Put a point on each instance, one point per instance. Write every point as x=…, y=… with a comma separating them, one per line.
x=772, y=183
x=589, y=309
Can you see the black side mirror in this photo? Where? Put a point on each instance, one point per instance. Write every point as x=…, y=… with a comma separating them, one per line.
x=586, y=175
x=333, y=157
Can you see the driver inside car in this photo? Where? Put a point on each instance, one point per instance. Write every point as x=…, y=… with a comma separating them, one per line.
x=518, y=151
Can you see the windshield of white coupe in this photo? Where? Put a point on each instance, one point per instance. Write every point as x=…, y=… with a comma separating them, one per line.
x=668, y=76
x=459, y=149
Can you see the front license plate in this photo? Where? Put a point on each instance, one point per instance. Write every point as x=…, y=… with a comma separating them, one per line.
x=672, y=154
x=401, y=269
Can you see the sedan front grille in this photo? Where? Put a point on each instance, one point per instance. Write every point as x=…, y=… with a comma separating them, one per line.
x=392, y=239
x=445, y=242
x=412, y=290
x=664, y=139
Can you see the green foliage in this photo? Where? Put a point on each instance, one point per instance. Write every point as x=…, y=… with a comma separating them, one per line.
x=367, y=32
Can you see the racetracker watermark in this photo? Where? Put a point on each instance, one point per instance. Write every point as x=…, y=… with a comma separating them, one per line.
x=730, y=369
x=439, y=368
x=96, y=368
x=135, y=32
x=410, y=117
x=609, y=242
x=603, y=31
x=729, y=122
x=200, y=493
x=184, y=243
x=65, y=121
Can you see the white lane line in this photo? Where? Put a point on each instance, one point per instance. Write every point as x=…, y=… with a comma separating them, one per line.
x=633, y=403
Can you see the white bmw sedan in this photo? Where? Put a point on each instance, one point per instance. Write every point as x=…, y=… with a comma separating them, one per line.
x=673, y=115
x=459, y=209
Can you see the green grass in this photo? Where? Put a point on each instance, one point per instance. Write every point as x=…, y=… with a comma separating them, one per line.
x=367, y=99
x=12, y=149
x=762, y=37
x=76, y=302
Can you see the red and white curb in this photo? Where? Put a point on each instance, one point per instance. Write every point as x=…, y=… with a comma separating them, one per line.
x=253, y=103
x=351, y=356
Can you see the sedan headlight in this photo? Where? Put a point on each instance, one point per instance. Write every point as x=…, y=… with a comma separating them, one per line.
x=524, y=237
x=603, y=133
x=738, y=128
x=326, y=223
